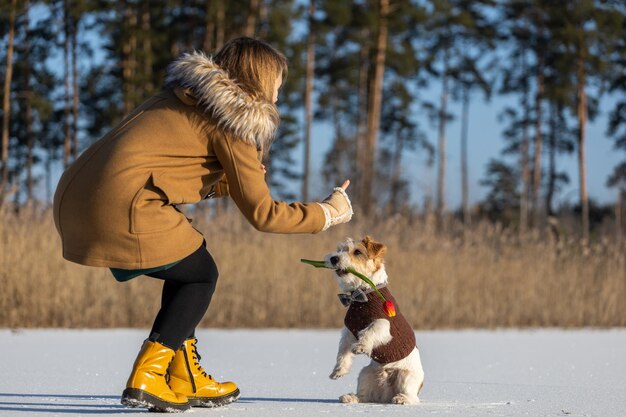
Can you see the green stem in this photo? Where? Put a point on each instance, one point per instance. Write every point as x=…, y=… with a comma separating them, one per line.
x=366, y=279
x=322, y=264
x=317, y=264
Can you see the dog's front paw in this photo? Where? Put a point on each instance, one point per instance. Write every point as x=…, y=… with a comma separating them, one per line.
x=338, y=373
x=349, y=399
x=404, y=399
x=359, y=348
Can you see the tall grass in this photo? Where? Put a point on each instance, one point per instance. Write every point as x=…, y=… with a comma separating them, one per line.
x=483, y=277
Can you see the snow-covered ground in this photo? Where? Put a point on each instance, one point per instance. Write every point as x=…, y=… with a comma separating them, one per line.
x=285, y=373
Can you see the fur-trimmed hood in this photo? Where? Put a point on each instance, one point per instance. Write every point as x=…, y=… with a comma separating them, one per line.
x=253, y=120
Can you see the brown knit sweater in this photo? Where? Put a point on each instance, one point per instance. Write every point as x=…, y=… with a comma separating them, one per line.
x=360, y=315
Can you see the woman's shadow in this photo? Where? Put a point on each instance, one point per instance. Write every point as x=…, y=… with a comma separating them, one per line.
x=62, y=403
x=102, y=404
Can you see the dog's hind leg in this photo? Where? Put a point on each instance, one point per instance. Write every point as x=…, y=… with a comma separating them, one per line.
x=406, y=385
x=345, y=355
x=371, y=386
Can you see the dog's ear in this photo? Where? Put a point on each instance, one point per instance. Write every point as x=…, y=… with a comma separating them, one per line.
x=374, y=249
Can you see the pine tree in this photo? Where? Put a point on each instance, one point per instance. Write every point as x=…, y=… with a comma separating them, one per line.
x=588, y=32
x=400, y=134
x=528, y=28
x=308, y=98
x=560, y=135
x=617, y=119
x=281, y=166
x=348, y=50
x=475, y=72
x=6, y=103
x=502, y=198
x=453, y=27
x=342, y=73
x=32, y=91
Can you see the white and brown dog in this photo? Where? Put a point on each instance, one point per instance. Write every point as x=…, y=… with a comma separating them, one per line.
x=395, y=374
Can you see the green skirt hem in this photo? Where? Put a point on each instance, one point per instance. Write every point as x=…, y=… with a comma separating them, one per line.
x=123, y=275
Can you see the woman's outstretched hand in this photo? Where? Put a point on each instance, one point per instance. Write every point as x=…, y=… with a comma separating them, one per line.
x=337, y=206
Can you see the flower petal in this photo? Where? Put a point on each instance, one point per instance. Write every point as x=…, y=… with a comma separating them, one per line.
x=389, y=308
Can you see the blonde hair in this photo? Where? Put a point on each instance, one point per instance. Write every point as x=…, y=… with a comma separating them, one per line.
x=253, y=64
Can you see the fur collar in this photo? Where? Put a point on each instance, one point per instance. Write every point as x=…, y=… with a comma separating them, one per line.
x=253, y=120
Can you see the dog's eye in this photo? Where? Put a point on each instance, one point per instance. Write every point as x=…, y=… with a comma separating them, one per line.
x=357, y=252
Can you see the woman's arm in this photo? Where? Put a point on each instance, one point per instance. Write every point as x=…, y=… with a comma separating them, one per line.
x=247, y=187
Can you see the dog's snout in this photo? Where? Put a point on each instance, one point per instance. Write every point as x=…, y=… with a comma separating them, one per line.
x=334, y=260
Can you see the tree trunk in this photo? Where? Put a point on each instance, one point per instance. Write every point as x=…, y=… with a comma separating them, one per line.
x=253, y=11
x=552, y=159
x=373, y=117
x=128, y=58
x=441, y=160
x=124, y=61
x=464, y=174
x=75, y=90
x=133, y=59
x=209, y=27
x=48, y=168
x=582, y=123
x=263, y=24
x=28, y=108
x=339, y=134
x=220, y=17
x=396, y=174
x=538, y=141
x=361, y=131
x=67, y=135
x=16, y=186
x=618, y=216
x=6, y=104
x=146, y=29
x=308, y=100
x=524, y=157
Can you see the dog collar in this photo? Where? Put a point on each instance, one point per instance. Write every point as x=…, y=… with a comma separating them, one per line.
x=357, y=295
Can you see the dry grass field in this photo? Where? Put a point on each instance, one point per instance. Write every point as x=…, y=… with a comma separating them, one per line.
x=484, y=277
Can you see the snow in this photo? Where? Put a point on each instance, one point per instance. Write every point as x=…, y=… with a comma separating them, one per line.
x=548, y=372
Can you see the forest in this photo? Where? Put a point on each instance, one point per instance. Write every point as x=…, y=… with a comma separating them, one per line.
x=72, y=69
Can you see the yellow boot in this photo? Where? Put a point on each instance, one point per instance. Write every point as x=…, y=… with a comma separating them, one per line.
x=147, y=387
x=187, y=377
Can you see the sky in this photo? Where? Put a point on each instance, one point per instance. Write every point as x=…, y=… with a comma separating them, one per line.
x=485, y=142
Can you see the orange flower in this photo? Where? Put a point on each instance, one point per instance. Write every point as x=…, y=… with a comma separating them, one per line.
x=389, y=308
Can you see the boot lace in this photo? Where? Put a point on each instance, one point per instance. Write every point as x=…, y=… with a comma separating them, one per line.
x=196, y=357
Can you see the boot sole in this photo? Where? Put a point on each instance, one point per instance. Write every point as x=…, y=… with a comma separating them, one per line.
x=133, y=397
x=210, y=402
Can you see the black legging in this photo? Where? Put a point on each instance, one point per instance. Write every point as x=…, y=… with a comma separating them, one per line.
x=187, y=290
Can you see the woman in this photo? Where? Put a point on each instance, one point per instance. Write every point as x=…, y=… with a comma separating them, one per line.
x=203, y=135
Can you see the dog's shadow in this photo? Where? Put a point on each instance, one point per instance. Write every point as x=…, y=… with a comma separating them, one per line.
x=287, y=400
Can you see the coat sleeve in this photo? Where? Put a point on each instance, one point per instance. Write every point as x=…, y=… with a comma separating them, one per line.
x=247, y=187
x=220, y=189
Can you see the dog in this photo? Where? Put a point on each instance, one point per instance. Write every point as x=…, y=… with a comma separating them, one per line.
x=395, y=373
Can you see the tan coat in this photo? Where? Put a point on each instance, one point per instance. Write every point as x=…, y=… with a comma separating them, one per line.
x=116, y=205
